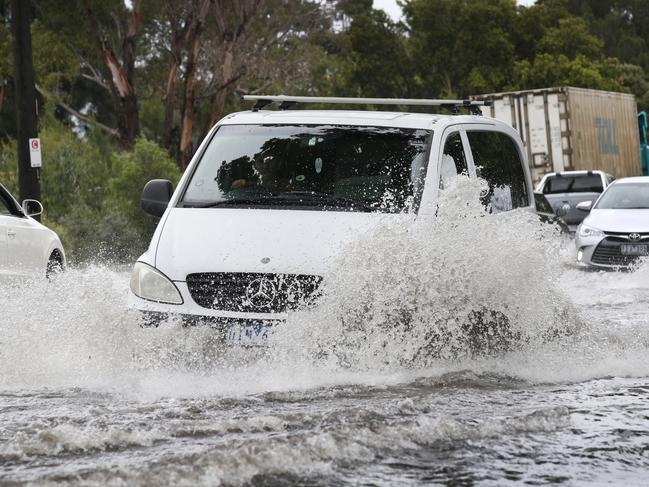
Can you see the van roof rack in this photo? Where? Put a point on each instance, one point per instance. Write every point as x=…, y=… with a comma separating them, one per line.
x=288, y=102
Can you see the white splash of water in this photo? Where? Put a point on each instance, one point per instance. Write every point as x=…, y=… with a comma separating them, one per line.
x=410, y=294
x=398, y=304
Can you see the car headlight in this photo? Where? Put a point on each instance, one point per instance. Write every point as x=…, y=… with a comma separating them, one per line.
x=151, y=284
x=586, y=231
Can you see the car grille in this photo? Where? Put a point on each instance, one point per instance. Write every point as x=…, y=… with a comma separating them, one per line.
x=608, y=252
x=253, y=292
x=623, y=236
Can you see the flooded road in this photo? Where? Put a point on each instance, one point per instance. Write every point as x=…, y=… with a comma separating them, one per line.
x=88, y=397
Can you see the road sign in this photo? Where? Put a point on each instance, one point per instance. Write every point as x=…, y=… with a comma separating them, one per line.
x=35, y=152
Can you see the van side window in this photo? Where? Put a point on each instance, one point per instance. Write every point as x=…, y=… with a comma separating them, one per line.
x=453, y=160
x=498, y=162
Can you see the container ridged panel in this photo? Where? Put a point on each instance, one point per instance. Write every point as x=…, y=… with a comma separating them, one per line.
x=604, y=131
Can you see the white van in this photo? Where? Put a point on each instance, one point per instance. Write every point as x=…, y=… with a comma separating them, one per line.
x=271, y=196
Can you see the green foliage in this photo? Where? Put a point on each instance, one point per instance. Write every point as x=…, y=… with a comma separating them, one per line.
x=8, y=165
x=6, y=57
x=443, y=48
x=54, y=61
x=547, y=70
x=635, y=79
x=114, y=227
x=461, y=47
x=152, y=118
x=379, y=52
x=130, y=172
x=91, y=193
x=571, y=38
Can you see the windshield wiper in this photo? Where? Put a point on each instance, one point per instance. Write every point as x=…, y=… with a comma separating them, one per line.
x=338, y=201
x=231, y=202
x=308, y=198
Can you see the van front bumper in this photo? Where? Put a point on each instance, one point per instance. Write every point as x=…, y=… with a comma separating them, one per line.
x=192, y=313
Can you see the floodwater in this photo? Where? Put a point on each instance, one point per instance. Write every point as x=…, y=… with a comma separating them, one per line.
x=355, y=391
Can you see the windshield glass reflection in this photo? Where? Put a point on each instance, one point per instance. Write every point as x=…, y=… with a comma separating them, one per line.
x=322, y=167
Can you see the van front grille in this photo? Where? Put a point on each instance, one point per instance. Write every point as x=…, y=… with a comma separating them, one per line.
x=253, y=292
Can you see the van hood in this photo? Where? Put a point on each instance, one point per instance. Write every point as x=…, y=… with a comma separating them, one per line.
x=257, y=240
x=623, y=221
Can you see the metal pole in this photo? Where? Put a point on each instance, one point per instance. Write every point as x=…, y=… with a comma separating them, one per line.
x=25, y=89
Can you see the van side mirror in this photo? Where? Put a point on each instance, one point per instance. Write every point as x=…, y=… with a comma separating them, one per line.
x=585, y=205
x=32, y=207
x=155, y=196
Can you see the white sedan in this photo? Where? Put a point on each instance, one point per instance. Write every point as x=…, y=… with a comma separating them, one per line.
x=615, y=234
x=27, y=248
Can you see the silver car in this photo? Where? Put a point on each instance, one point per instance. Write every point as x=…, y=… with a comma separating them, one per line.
x=615, y=234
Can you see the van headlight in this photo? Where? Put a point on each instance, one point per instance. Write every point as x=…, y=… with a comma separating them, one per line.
x=149, y=283
x=586, y=231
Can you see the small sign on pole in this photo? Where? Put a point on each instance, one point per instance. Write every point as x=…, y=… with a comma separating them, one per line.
x=35, y=152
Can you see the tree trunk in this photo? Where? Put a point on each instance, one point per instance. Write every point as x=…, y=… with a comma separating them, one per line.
x=170, y=104
x=25, y=86
x=128, y=122
x=122, y=75
x=226, y=76
x=194, y=42
x=188, y=108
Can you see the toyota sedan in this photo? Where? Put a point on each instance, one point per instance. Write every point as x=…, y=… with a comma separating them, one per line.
x=615, y=234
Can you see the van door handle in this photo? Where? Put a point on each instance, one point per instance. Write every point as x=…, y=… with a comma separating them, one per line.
x=11, y=233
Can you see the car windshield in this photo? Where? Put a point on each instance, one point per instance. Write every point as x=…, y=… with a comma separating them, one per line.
x=324, y=167
x=574, y=183
x=626, y=196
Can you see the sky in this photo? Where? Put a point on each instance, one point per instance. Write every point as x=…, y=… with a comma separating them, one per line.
x=393, y=10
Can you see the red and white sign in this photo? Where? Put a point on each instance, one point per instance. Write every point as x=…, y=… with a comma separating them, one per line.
x=35, y=152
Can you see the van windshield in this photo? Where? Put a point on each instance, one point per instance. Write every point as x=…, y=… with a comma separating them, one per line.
x=326, y=167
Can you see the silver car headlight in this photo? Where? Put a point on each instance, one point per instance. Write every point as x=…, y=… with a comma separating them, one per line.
x=586, y=231
x=149, y=283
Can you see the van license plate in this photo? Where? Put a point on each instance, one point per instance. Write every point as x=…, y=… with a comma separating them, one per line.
x=253, y=335
x=635, y=249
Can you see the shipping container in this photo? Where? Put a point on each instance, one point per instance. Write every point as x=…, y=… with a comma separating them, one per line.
x=572, y=128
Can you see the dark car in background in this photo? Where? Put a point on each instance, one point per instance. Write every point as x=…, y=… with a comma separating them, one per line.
x=565, y=190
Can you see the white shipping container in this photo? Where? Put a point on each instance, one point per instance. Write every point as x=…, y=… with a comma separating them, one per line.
x=572, y=128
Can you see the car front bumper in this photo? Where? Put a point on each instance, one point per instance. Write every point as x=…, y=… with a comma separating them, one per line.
x=603, y=253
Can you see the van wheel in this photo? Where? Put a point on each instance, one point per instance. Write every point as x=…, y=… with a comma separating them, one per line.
x=489, y=332
x=54, y=265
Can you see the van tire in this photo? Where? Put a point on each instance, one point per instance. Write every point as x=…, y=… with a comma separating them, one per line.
x=54, y=265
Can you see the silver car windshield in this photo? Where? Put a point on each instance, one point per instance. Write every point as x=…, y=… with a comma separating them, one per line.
x=627, y=196
x=325, y=167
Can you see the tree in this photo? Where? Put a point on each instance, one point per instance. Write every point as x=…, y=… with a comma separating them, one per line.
x=548, y=70
x=623, y=27
x=380, y=63
x=461, y=47
x=119, y=70
x=217, y=48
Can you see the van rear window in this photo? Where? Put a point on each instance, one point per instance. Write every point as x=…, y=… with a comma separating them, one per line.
x=577, y=183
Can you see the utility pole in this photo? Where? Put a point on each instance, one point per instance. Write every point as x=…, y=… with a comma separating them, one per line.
x=25, y=90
